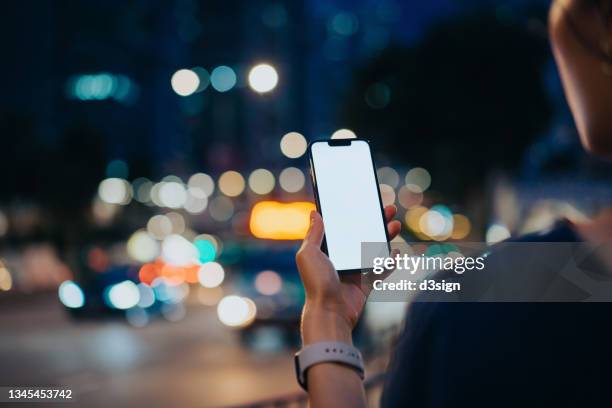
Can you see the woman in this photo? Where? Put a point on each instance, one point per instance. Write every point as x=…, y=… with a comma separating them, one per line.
x=494, y=354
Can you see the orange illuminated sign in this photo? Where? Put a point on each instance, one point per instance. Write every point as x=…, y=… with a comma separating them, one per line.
x=274, y=220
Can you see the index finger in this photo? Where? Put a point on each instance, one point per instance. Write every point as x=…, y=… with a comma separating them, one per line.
x=314, y=236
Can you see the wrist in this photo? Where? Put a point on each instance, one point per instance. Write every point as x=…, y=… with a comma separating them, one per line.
x=321, y=323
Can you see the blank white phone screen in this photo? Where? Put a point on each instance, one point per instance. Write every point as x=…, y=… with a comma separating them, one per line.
x=348, y=197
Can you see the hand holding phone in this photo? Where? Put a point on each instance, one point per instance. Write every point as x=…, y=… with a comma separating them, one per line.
x=334, y=303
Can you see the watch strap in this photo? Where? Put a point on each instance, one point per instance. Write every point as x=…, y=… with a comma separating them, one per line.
x=327, y=352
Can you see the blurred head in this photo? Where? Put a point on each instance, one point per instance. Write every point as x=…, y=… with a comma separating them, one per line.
x=581, y=35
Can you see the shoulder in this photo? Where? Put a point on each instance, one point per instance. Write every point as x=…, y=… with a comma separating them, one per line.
x=507, y=257
x=559, y=232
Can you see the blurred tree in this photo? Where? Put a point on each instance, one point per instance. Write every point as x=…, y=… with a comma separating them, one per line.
x=464, y=101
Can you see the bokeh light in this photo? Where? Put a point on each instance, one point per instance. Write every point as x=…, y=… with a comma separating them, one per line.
x=263, y=78
x=177, y=221
x=432, y=223
x=185, y=82
x=171, y=178
x=388, y=175
x=142, y=247
x=418, y=180
x=6, y=281
x=261, y=181
x=221, y=209
x=100, y=86
x=203, y=76
x=223, y=78
x=71, y=295
x=191, y=273
x=387, y=194
x=231, y=183
x=97, y=259
x=197, y=200
x=169, y=292
x=461, y=226
x=293, y=145
x=292, y=179
x=154, y=194
x=408, y=198
x=142, y=189
x=413, y=216
x=159, y=226
x=206, y=250
x=202, y=181
x=123, y=295
x=174, y=274
x=147, y=295
x=497, y=233
x=115, y=191
x=149, y=272
x=117, y=169
x=233, y=311
x=251, y=312
x=268, y=283
x=178, y=251
x=172, y=194
x=211, y=275
x=344, y=134
x=214, y=241
x=437, y=223
x=285, y=221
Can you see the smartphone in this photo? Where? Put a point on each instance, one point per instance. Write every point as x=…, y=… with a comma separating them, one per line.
x=348, y=198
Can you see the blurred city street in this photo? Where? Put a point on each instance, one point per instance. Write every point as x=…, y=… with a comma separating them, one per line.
x=155, y=178
x=109, y=363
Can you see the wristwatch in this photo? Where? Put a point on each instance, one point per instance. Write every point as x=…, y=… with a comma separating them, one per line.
x=326, y=352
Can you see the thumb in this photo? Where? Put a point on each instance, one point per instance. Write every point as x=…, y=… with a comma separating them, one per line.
x=314, y=236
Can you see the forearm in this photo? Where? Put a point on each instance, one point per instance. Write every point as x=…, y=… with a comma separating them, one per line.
x=330, y=384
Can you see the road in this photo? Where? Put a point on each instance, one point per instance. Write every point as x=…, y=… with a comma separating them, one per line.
x=196, y=362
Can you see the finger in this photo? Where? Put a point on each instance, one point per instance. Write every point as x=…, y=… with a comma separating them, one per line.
x=395, y=252
x=390, y=212
x=393, y=228
x=314, y=236
x=369, y=278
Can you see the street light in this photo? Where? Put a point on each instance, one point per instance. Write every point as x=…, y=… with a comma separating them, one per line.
x=263, y=78
x=185, y=82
